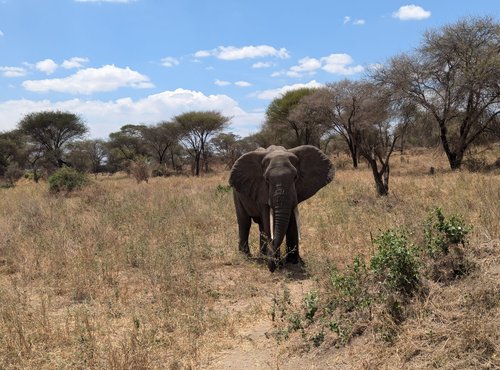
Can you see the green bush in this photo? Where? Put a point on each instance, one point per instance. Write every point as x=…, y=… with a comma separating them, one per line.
x=349, y=290
x=440, y=232
x=66, y=180
x=396, y=263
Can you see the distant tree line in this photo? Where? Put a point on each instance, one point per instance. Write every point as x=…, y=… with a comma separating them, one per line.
x=446, y=92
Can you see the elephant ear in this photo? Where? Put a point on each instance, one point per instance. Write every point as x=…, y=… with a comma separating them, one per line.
x=247, y=176
x=315, y=171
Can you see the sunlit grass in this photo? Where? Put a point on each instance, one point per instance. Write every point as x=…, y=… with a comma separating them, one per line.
x=126, y=275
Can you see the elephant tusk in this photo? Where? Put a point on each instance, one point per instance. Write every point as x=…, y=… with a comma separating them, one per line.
x=297, y=219
x=271, y=222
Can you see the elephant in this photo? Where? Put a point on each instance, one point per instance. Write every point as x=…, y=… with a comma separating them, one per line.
x=268, y=184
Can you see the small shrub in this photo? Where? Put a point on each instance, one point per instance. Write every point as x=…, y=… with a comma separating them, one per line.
x=440, y=232
x=475, y=164
x=66, y=180
x=396, y=263
x=445, y=240
x=140, y=170
x=222, y=189
x=13, y=173
x=348, y=290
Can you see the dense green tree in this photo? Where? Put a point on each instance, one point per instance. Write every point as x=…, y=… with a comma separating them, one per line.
x=51, y=131
x=281, y=126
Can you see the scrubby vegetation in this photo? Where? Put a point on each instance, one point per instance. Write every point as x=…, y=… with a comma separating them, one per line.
x=127, y=275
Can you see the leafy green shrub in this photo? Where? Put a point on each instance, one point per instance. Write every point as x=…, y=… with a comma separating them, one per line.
x=348, y=290
x=222, y=189
x=66, y=180
x=440, y=232
x=396, y=262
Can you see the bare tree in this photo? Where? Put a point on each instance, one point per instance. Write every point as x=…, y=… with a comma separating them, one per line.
x=455, y=76
x=351, y=108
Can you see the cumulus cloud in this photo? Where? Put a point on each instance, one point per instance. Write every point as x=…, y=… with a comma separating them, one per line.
x=340, y=64
x=359, y=22
x=243, y=83
x=47, y=66
x=334, y=63
x=1, y=33
x=245, y=52
x=273, y=93
x=104, y=117
x=170, y=62
x=91, y=80
x=411, y=13
x=222, y=83
x=306, y=66
x=75, y=62
x=13, y=71
x=347, y=19
x=262, y=65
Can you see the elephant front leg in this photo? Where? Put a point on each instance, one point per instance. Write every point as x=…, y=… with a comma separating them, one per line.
x=244, y=223
x=265, y=229
x=292, y=239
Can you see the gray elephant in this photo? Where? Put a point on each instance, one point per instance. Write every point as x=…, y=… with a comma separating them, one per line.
x=268, y=184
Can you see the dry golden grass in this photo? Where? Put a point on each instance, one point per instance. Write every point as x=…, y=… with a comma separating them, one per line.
x=147, y=276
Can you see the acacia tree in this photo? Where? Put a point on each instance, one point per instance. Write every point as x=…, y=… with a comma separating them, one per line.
x=196, y=129
x=455, y=76
x=126, y=145
x=312, y=117
x=160, y=139
x=50, y=132
x=88, y=155
x=281, y=124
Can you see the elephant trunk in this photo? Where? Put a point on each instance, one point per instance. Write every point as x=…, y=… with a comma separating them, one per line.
x=281, y=218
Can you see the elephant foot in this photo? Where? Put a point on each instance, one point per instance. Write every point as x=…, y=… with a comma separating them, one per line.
x=293, y=258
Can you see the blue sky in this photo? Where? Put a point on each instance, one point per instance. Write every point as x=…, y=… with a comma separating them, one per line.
x=118, y=62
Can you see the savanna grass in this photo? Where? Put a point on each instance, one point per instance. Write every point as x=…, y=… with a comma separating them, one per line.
x=123, y=275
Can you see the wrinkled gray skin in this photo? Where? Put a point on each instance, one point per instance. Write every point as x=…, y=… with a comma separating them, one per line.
x=268, y=184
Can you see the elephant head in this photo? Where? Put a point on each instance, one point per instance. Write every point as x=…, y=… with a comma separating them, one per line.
x=276, y=180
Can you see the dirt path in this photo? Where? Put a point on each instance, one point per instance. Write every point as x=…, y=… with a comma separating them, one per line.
x=253, y=348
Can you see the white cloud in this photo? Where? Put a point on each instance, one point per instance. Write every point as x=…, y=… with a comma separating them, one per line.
x=335, y=63
x=170, y=62
x=411, y=12
x=262, y=65
x=91, y=80
x=243, y=83
x=273, y=93
x=245, y=52
x=47, y=66
x=202, y=54
x=1, y=33
x=75, y=62
x=13, y=71
x=104, y=117
x=359, y=22
x=222, y=83
x=340, y=64
x=306, y=66
x=347, y=19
